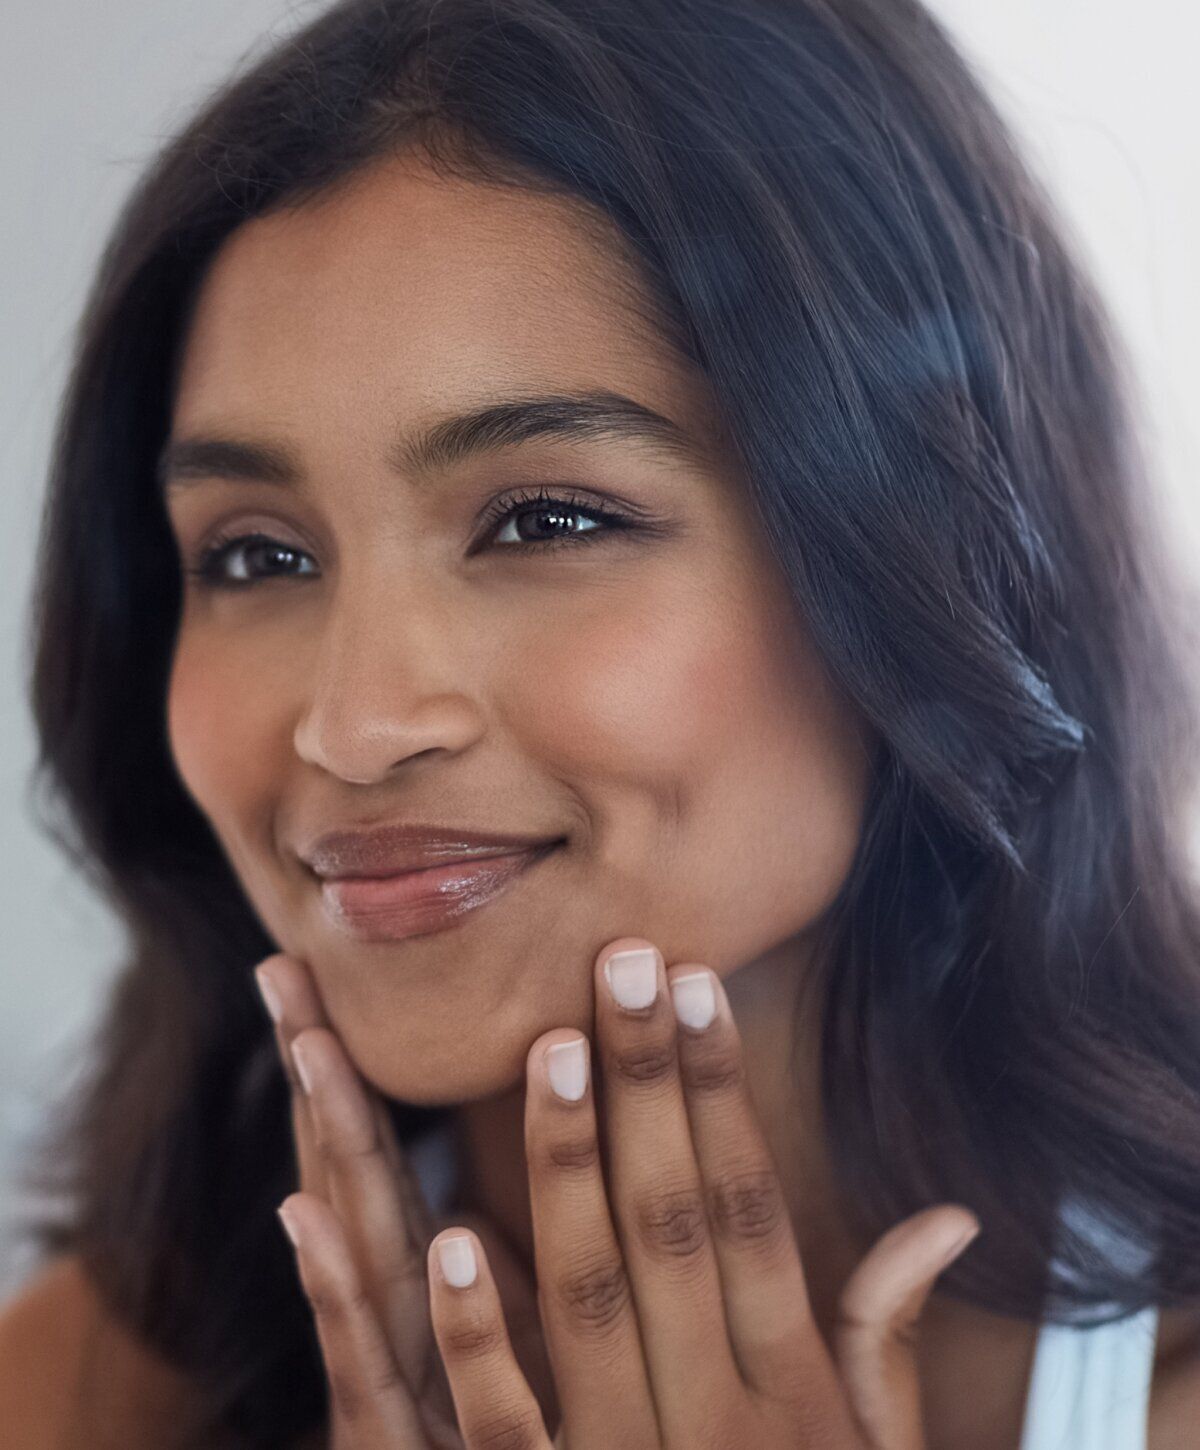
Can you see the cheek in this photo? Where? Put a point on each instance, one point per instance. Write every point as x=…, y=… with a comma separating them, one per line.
x=218, y=742
x=723, y=772
x=782, y=784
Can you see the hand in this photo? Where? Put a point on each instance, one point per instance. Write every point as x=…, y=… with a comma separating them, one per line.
x=366, y=1227
x=685, y=1323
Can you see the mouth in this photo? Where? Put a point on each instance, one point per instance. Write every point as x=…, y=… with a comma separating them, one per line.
x=414, y=903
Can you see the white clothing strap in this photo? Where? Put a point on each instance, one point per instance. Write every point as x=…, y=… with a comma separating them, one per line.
x=1090, y=1386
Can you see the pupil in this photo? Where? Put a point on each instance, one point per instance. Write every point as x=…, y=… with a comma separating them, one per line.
x=555, y=515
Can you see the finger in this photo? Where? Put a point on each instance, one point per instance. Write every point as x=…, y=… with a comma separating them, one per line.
x=588, y=1318
x=364, y=1191
x=522, y=1314
x=875, y=1334
x=494, y=1403
x=293, y=1004
x=658, y=1196
x=369, y=1400
x=774, y=1337
x=294, y=996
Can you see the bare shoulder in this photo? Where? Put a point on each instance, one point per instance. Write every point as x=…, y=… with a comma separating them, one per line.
x=1175, y=1403
x=70, y=1376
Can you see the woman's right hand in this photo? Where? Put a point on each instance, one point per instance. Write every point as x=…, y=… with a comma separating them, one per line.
x=361, y=1207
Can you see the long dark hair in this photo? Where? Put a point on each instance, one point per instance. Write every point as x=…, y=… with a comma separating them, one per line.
x=834, y=225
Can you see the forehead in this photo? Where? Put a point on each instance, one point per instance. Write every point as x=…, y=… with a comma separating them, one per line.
x=407, y=288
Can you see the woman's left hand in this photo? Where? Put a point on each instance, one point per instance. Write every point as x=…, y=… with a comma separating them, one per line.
x=681, y=1320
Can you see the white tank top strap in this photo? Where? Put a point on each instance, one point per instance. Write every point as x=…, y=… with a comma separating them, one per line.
x=1090, y=1386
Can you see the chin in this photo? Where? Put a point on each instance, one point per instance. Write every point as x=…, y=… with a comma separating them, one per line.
x=450, y=1073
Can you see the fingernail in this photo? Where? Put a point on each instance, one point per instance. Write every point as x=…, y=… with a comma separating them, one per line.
x=694, y=998
x=633, y=976
x=269, y=995
x=566, y=1067
x=457, y=1258
x=289, y=1224
x=960, y=1244
x=304, y=1069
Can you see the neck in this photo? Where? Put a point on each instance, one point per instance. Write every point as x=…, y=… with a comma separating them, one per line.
x=779, y=1028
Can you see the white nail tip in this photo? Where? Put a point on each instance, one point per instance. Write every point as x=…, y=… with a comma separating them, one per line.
x=457, y=1258
x=633, y=976
x=695, y=999
x=566, y=1067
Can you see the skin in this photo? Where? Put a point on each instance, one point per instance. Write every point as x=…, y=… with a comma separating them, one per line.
x=650, y=696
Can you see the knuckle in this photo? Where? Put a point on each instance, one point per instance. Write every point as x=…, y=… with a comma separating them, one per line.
x=326, y=1301
x=718, y=1071
x=643, y=1063
x=748, y=1206
x=346, y=1399
x=404, y=1273
x=856, y=1330
x=597, y=1296
x=574, y=1155
x=474, y=1339
x=673, y=1224
x=514, y=1430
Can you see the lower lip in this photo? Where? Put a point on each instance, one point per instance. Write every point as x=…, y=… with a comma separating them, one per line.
x=390, y=908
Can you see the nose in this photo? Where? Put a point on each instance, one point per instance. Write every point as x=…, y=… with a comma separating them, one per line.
x=386, y=686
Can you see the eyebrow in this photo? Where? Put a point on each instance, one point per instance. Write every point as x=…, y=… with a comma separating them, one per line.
x=592, y=414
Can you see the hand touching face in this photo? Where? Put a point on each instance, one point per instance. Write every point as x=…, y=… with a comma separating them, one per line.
x=671, y=1294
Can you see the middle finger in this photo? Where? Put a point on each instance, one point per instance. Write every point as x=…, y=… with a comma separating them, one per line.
x=658, y=1192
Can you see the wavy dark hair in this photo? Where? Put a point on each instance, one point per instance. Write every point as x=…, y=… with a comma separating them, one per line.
x=938, y=430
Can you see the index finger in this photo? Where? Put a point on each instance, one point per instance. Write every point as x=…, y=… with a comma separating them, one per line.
x=293, y=1003
x=292, y=992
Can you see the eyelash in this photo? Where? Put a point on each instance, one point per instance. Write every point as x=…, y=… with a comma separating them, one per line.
x=207, y=569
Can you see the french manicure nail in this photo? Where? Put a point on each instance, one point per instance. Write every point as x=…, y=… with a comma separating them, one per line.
x=694, y=998
x=566, y=1067
x=633, y=976
x=269, y=995
x=298, y=1050
x=289, y=1224
x=961, y=1243
x=457, y=1258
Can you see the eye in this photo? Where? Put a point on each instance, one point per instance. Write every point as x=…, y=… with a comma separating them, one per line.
x=211, y=569
x=556, y=515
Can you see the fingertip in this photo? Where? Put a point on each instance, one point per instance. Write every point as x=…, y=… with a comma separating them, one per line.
x=456, y=1258
x=960, y=1234
x=291, y=1225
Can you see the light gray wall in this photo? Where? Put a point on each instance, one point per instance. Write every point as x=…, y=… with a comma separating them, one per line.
x=89, y=91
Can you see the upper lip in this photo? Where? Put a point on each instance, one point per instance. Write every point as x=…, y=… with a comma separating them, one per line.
x=386, y=850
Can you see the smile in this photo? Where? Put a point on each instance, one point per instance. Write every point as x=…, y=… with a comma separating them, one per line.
x=413, y=903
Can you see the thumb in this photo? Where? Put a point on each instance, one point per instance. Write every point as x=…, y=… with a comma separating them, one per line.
x=876, y=1331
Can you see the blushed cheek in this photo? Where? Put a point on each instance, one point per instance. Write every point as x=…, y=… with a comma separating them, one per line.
x=629, y=697
x=220, y=752
x=724, y=774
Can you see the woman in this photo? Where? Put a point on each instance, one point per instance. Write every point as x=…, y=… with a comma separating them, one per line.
x=667, y=452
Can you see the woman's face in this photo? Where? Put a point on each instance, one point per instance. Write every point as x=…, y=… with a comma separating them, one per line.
x=646, y=694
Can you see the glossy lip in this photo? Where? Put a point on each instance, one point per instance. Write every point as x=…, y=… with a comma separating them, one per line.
x=413, y=903
x=386, y=850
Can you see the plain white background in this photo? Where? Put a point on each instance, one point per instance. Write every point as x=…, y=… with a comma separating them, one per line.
x=1103, y=94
